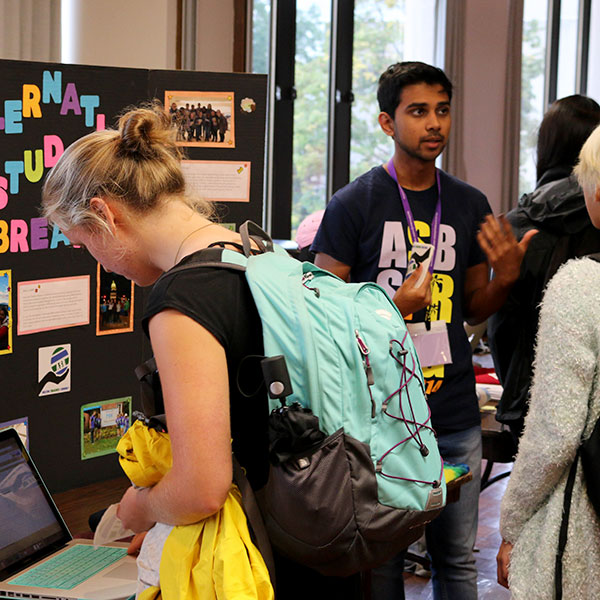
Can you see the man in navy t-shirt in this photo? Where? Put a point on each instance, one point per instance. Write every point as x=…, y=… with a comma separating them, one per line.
x=404, y=212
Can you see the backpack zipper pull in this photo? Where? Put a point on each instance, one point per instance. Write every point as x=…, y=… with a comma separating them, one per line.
x=401, y=353
x=308, y=276
x=364, y=350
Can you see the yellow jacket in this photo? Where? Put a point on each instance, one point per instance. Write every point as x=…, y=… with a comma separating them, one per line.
x=212, y=559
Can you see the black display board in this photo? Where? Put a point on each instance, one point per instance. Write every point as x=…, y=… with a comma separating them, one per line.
x=43, y=108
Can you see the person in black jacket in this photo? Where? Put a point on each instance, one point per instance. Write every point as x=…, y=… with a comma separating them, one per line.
x=556, y=208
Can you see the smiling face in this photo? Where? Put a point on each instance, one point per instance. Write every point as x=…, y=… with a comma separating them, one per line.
x=421, y=123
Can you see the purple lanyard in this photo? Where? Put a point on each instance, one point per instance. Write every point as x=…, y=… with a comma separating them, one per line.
x=437, y=217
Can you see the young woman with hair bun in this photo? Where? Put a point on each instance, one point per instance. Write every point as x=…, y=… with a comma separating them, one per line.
x=121, y=194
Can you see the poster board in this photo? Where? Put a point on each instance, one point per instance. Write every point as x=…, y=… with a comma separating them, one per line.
x=61, y=361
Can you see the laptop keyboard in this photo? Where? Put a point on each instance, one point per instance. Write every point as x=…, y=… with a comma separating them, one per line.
x=71, y=567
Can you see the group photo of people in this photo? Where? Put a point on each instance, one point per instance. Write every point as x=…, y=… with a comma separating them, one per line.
x=115, y=303
x=202, y=118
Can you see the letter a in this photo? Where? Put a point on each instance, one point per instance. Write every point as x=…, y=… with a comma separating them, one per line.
x=393, y=246
x=70, y=100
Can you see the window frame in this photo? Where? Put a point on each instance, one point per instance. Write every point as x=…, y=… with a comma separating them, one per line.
x=553, y=46
x=282, y=95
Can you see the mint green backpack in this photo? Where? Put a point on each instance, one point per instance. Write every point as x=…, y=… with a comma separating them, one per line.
x=356, y=471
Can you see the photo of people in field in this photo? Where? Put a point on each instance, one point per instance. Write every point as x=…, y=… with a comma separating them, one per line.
x=102, y=426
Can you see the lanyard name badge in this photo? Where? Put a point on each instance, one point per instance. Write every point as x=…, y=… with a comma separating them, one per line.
x=431, y=338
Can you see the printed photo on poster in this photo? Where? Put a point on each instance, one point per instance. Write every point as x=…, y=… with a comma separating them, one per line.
x=54, y=369
x=202, y=118
x=20, y=426
x=103, y=424
x=5, y=313
x=114, y=303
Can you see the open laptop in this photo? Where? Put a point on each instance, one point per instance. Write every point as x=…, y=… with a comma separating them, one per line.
x=35, y=543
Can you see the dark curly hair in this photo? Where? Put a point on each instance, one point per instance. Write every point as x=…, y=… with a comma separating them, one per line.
x=397, y=76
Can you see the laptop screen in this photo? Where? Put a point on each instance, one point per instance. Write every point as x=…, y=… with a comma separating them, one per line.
x=30, y=525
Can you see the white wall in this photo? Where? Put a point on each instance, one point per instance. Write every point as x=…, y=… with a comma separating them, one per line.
x=486, y=47
x=121, y=33
x=30, y=30
x=214, y=35
x=143, y=33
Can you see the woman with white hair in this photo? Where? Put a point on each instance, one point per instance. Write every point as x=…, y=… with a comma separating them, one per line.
x=564, y=407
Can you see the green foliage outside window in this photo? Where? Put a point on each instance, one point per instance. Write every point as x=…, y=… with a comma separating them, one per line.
x=378, y=42
x=309, y=168
x=532, y=81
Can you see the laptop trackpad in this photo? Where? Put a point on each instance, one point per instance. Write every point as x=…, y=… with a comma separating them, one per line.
x=126, y=570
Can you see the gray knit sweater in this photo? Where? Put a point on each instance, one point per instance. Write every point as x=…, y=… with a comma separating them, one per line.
x=565, y=404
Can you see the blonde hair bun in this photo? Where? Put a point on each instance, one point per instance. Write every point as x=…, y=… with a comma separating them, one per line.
x=146, y=133
x=138, y=165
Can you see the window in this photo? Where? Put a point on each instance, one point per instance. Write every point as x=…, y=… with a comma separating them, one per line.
x=328, y=55
x=559, y=58
x=532, y=88
x=384, y=33
x=309, y=160
x=567, y=50
x=593, y=71
x=67, y=29
x=261, y=38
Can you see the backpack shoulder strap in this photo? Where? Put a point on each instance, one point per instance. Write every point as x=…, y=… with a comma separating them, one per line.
x=217, y=255
x=564, y=526
x=254, y=516
x=251, y=232
x=145, y=369
x=211, y=257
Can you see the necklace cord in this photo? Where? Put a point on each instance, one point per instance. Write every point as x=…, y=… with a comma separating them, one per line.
x=189, y=235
